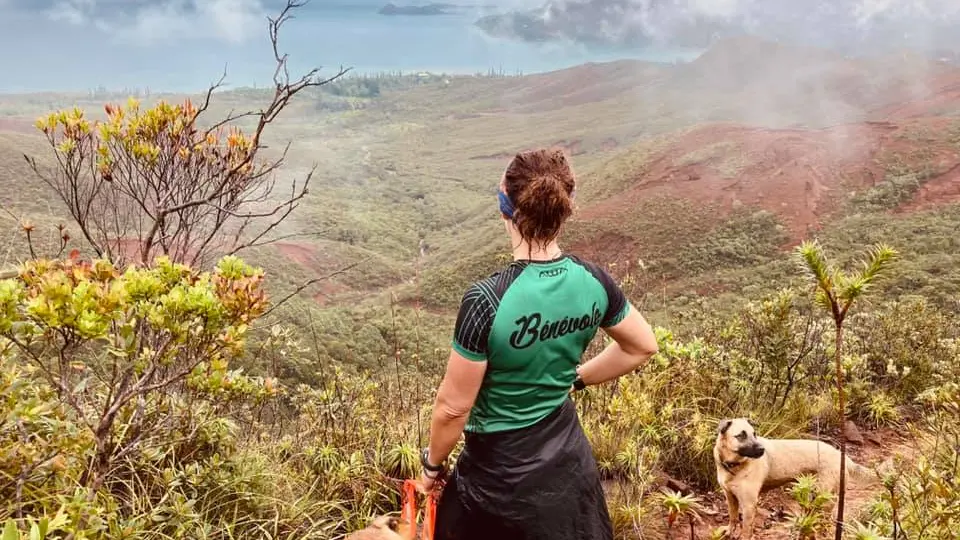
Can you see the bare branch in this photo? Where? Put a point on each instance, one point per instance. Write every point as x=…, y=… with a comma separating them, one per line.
x=313, y=281
x=181, y=190
x=281, y=238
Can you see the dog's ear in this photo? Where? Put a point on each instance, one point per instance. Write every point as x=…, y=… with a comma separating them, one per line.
x=724, y=426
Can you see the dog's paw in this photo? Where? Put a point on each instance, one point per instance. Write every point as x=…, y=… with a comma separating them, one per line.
x=725, y=532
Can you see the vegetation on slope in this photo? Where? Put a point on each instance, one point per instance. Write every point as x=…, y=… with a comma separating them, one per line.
x=112, y=432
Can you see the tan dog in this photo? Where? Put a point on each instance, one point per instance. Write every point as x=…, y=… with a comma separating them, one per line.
x=385, y=528
x=748, y=465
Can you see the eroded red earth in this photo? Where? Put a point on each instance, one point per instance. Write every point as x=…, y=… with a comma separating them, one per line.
x=800, y=174
x=791, y=172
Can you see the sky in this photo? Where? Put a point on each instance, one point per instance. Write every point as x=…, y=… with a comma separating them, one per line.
x=186, y=44
x=79, y=44
x=143, y=22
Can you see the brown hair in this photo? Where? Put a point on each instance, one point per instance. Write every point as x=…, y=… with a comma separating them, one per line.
x=540, y=184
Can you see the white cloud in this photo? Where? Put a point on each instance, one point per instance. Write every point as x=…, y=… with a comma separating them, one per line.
x=234, y=19
x=722, y=9
x=867, y=10
x=71, y=11
x=146, y=22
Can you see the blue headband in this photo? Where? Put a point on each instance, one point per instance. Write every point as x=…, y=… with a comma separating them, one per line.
x=506, y=205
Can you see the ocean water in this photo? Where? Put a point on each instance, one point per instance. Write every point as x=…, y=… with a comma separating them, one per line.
x=44, y=54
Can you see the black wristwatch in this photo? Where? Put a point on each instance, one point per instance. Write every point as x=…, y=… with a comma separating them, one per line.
x=425, y=463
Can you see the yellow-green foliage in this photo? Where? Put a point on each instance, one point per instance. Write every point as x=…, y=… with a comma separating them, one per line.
x=154, y=179
x=164, y=135
x=812, y=519
x=203, y=450
x=115, y=384
x=123, y=412
x=921, y=498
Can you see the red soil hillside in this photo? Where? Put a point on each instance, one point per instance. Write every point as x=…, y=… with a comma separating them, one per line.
x=788, y=172
x=943, y=189
x=311, y=258
x=764, y=80
x=587, y=83
x=937, y=94
x=907, y=120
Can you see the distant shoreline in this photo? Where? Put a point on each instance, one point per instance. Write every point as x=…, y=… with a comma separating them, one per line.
x=432, y=9
x=427, y=10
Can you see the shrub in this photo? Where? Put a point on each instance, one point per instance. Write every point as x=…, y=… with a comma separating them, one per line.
x=922, y=499
x=121, y=385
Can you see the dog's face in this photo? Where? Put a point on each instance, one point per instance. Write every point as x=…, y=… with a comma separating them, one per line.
x=737, y=439
x=394, y=524
x=385, y=522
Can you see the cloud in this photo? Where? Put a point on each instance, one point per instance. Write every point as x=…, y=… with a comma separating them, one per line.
x=851, y=24
x=71, y=11
x=867, y=10
x=149, y=22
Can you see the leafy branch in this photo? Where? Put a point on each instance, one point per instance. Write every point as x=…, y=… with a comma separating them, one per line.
x=837, y=291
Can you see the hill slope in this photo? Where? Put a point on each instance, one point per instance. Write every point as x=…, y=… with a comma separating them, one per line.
x=665, y=154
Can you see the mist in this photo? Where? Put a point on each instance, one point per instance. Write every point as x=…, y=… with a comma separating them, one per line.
x=856, y=26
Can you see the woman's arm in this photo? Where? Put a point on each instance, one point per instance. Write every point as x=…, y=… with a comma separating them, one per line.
x=634, y=344
x=451, y=408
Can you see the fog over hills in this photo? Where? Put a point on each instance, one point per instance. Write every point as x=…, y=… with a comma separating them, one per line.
x=860, y=26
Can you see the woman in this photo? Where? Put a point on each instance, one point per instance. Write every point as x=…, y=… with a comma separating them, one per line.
x=527, y=470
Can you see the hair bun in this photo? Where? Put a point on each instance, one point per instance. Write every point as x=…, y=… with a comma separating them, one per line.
x=540, y=184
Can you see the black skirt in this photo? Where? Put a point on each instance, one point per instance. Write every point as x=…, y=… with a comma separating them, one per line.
x=539, y=482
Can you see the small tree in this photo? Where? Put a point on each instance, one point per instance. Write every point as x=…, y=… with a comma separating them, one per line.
x=155, y=182
x=837, y=291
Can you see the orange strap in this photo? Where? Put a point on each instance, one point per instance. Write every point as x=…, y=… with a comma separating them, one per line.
x=409, y=509
x=430, y=516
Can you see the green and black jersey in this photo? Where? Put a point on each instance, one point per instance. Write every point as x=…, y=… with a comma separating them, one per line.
x=532, y=322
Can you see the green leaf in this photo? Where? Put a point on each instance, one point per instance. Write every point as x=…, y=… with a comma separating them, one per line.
x=878, y=260
x=10, y=531
x=59, y=521
x=823, y=300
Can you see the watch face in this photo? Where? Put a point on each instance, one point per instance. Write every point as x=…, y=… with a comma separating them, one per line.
x=426, y=463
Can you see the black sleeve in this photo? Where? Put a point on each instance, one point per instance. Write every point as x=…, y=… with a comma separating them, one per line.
x=617, y=304
x=474, y=320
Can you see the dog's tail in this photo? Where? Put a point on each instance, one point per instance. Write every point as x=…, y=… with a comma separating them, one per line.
x=866, y=475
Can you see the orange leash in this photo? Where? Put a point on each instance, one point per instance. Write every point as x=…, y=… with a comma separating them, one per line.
x=430, y=516
x=409, y=509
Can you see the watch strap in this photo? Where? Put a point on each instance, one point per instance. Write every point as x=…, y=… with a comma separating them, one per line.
x=425, y=462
